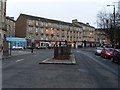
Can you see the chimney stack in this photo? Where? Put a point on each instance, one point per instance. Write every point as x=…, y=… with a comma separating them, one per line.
x=74, y=21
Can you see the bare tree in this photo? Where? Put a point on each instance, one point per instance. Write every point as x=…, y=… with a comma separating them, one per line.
x=106, y=21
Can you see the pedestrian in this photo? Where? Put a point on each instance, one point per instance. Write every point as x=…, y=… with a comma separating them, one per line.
x=32, y=47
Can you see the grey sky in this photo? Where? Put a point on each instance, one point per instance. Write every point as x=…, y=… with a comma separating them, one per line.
x=64, y=10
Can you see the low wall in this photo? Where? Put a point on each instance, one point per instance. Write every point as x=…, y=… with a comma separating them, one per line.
x=62, y=52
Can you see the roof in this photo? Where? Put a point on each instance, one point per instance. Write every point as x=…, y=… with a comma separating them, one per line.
x=10, y=18
x=102, y=29
x=85, y=24
x=49, y=20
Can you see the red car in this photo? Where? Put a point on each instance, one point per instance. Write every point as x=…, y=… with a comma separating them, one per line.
x=107, y=52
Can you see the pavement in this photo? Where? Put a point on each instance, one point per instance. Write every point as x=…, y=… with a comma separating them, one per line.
x=15, y=53
x=55, y=61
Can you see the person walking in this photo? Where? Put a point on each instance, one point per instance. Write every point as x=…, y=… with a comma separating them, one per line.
x=32, y=47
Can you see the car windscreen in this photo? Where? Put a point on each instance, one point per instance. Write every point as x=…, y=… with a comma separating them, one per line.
x=99, y=48
x=118, y=50
x=109, y=50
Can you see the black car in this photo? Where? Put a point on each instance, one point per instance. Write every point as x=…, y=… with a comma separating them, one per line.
x=116, y=56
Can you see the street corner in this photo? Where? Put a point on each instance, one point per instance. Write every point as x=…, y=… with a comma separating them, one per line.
x=51, y=60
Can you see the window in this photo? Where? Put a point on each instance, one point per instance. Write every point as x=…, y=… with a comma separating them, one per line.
x=46, y=38
x=46, y=29
x=41, y=38
x=37, y=23
x=30, y=22
x=41, y=24
x=37, y=30
x=30, y=30
x=46, y=24
x=42, y=29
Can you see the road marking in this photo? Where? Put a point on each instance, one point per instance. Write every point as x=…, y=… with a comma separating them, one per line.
x=19, y=60
x=47, y=59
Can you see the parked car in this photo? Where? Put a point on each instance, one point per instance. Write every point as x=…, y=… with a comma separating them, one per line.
x=116, y=56
x=50, y=46
x=107, y=52
x=98, y=50
x=17, y=48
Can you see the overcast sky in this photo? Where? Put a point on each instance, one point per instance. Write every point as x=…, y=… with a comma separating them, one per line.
x=63, y=10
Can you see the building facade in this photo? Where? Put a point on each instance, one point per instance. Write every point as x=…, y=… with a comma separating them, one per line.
x=10, y=22
x=101, y=37
x=119, y=7
x=88, y=33
x=37, y=29
x=3, y=28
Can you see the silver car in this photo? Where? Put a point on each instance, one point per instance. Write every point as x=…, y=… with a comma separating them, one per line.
x=98, y=50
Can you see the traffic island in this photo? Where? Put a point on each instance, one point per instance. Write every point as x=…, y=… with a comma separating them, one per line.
x=70, y=61
x=62, y=55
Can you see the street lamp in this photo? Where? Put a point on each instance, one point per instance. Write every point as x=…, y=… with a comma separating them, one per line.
x=114, y=25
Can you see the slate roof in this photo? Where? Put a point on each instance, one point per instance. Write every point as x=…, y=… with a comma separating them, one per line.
x=49, y=20
x=9, y=18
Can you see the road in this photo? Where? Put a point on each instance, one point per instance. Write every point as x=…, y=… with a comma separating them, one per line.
x=90, y=71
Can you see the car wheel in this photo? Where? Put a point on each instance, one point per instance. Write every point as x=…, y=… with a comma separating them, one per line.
x=95, y=53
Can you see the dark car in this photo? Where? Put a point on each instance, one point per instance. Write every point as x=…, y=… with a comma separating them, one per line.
x=116, y=56
x=107, y=52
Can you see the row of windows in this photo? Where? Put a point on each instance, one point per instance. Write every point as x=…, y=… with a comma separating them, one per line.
x=44, y=24
x=38, y=37
x=41, y=30
x=57, y=38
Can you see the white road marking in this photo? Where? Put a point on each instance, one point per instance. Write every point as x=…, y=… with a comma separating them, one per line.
x=47, y=59
x=19, y=60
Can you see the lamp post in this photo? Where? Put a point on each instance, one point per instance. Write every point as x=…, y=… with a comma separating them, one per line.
x=114, y=25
